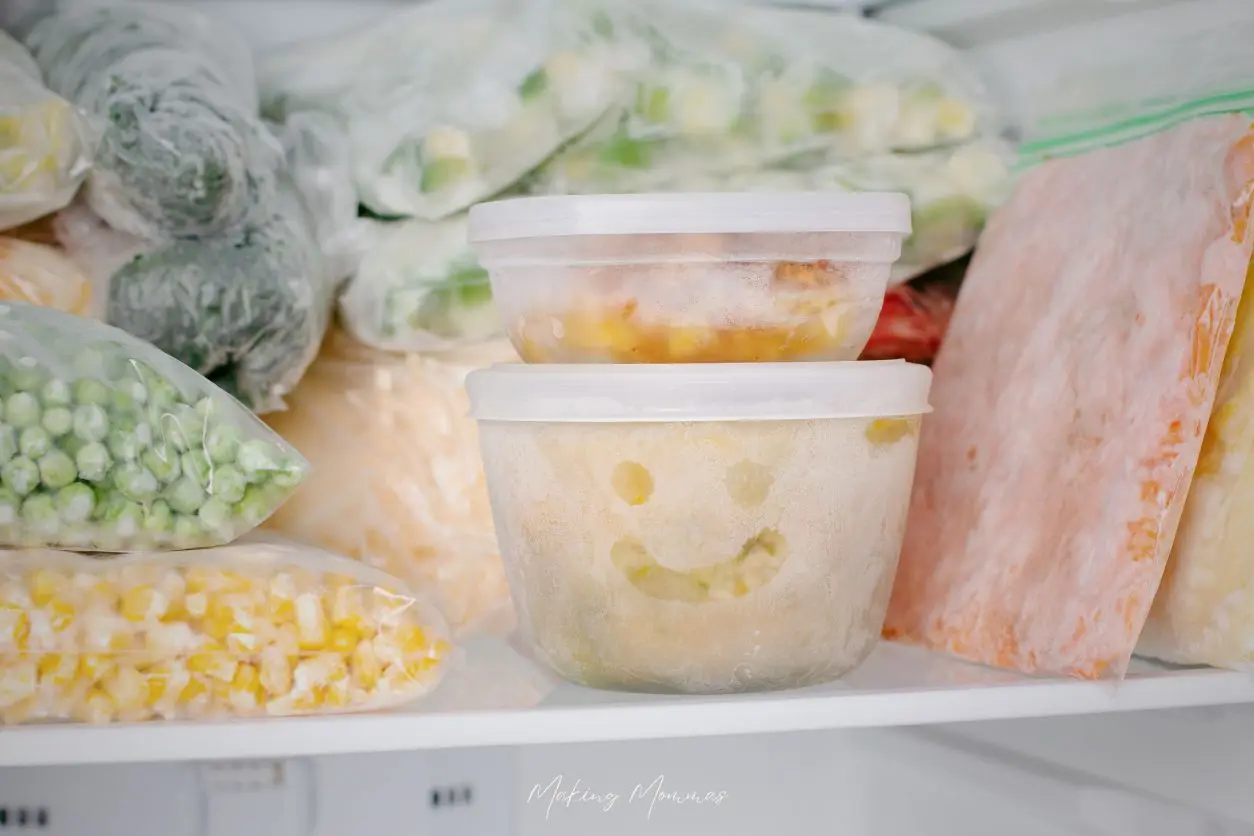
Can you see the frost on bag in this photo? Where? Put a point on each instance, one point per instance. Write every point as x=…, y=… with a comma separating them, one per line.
x=408, y=494
x=1202, y=613
x=109, y=445
x=184, y=153
x=730, y=86
x=247, y=310
x=46, y=145
x=420, y=288
x=40, y=275
x=449, y=103
x=254, y=629
x=1069, y=403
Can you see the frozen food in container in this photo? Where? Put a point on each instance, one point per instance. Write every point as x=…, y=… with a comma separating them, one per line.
x=700, y=528
x=690, y=278
x=258, y=628
x=106, y=444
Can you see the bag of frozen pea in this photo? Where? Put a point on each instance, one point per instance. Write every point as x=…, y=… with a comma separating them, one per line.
x=107, y=444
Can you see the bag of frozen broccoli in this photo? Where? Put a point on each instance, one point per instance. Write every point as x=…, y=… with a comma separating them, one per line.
x=46, y=144
x=420, y=288
x=107, y=444
x=184, y=152
x=451, y=102
x=731, y=86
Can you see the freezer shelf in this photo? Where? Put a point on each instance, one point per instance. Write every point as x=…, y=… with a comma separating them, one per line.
x=496, y=698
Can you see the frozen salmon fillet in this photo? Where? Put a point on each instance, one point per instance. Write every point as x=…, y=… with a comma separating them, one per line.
x=1070, y=398
x=1204, y=610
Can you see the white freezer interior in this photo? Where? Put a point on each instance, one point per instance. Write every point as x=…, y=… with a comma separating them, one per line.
x=1171, y=771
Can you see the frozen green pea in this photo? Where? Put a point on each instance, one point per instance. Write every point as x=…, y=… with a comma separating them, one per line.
x=8, y=443
x=21, y=410
x=28, y=374
x=196, y=465
x=162, y=396
x=93, y=461
x=135, y=482
x=124, y=518
x=286, y=475
x=215, y=515
x=76, y=503
x=228, y=484
x=255, y=507
x=163, y=463
x=91, y=423
x=256, y=459
x=20, y=475
x=126, y=443
x=182, y=427
x=58, y=421
x=442, y=173
x=34, y=442
x=56, y=470
x=185, y=496
x=10, y=505
x=160, y=518
x=39, y=513
x=90, y=391
x=56, y=392
x=188, y=532
x=222, y=444
x=129, y=396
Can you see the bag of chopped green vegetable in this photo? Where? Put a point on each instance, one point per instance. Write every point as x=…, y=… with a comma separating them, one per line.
x=731, y=86
x=107, y=444
x=420, y=288
x=451, y=102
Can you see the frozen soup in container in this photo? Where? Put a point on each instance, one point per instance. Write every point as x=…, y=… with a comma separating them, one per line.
x=700, y=528
x=690, y=278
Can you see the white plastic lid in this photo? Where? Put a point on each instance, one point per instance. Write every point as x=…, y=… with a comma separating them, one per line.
x=594, y=393
x=697, y=214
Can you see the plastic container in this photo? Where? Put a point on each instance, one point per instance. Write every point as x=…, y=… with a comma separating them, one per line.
x=700, y=528
x=690, y=278
x=253, y=629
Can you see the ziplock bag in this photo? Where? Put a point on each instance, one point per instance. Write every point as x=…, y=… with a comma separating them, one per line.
x=109, y=445
x=253, y=629
x=408, y=494
x=1070, y=396
x=46, y=144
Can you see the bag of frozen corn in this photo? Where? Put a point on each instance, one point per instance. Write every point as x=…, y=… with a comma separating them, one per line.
x=46, y=145
x=106, y=444
x=258, y=628
x=38, y=274
x=409, y=493
x=1070, y=398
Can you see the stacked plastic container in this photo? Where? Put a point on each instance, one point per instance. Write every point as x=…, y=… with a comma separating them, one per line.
x=695, y=484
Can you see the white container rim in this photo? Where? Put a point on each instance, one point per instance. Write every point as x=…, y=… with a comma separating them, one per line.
x=648, y=393
x=562, y=216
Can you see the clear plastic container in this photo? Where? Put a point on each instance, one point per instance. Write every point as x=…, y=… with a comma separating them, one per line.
x=690, y=278
x=700, y=528
x=261, y=628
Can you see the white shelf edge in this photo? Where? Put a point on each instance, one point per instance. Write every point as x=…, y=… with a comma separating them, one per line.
x=646, y=718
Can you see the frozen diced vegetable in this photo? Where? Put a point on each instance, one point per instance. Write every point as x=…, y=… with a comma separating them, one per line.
x=46, y=145
x=253, y=629
x=39, y=275
x=408, y=494
x=106, y=444
x=184, y=152
x=1071, y=393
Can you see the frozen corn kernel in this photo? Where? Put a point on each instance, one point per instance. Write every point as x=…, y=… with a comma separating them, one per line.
x=632, y=482
x=246, y=630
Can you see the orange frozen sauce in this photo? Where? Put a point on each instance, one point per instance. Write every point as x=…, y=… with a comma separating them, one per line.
x=1070, y=400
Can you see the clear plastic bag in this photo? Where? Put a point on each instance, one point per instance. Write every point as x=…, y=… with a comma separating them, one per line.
x=1202, y=613
x=109, y=445
x=449, y=103
x=408, y=494
x=46, y=145
x=247, y=310
x=420, y=288
x=1069, y=403
x=184, y=153
x=40, y=275
x=319, y=161
x=731, y=86
x=257, y=628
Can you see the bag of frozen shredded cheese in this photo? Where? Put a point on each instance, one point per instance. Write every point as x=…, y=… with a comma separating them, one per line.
x=253, y=629
x=107, y=444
